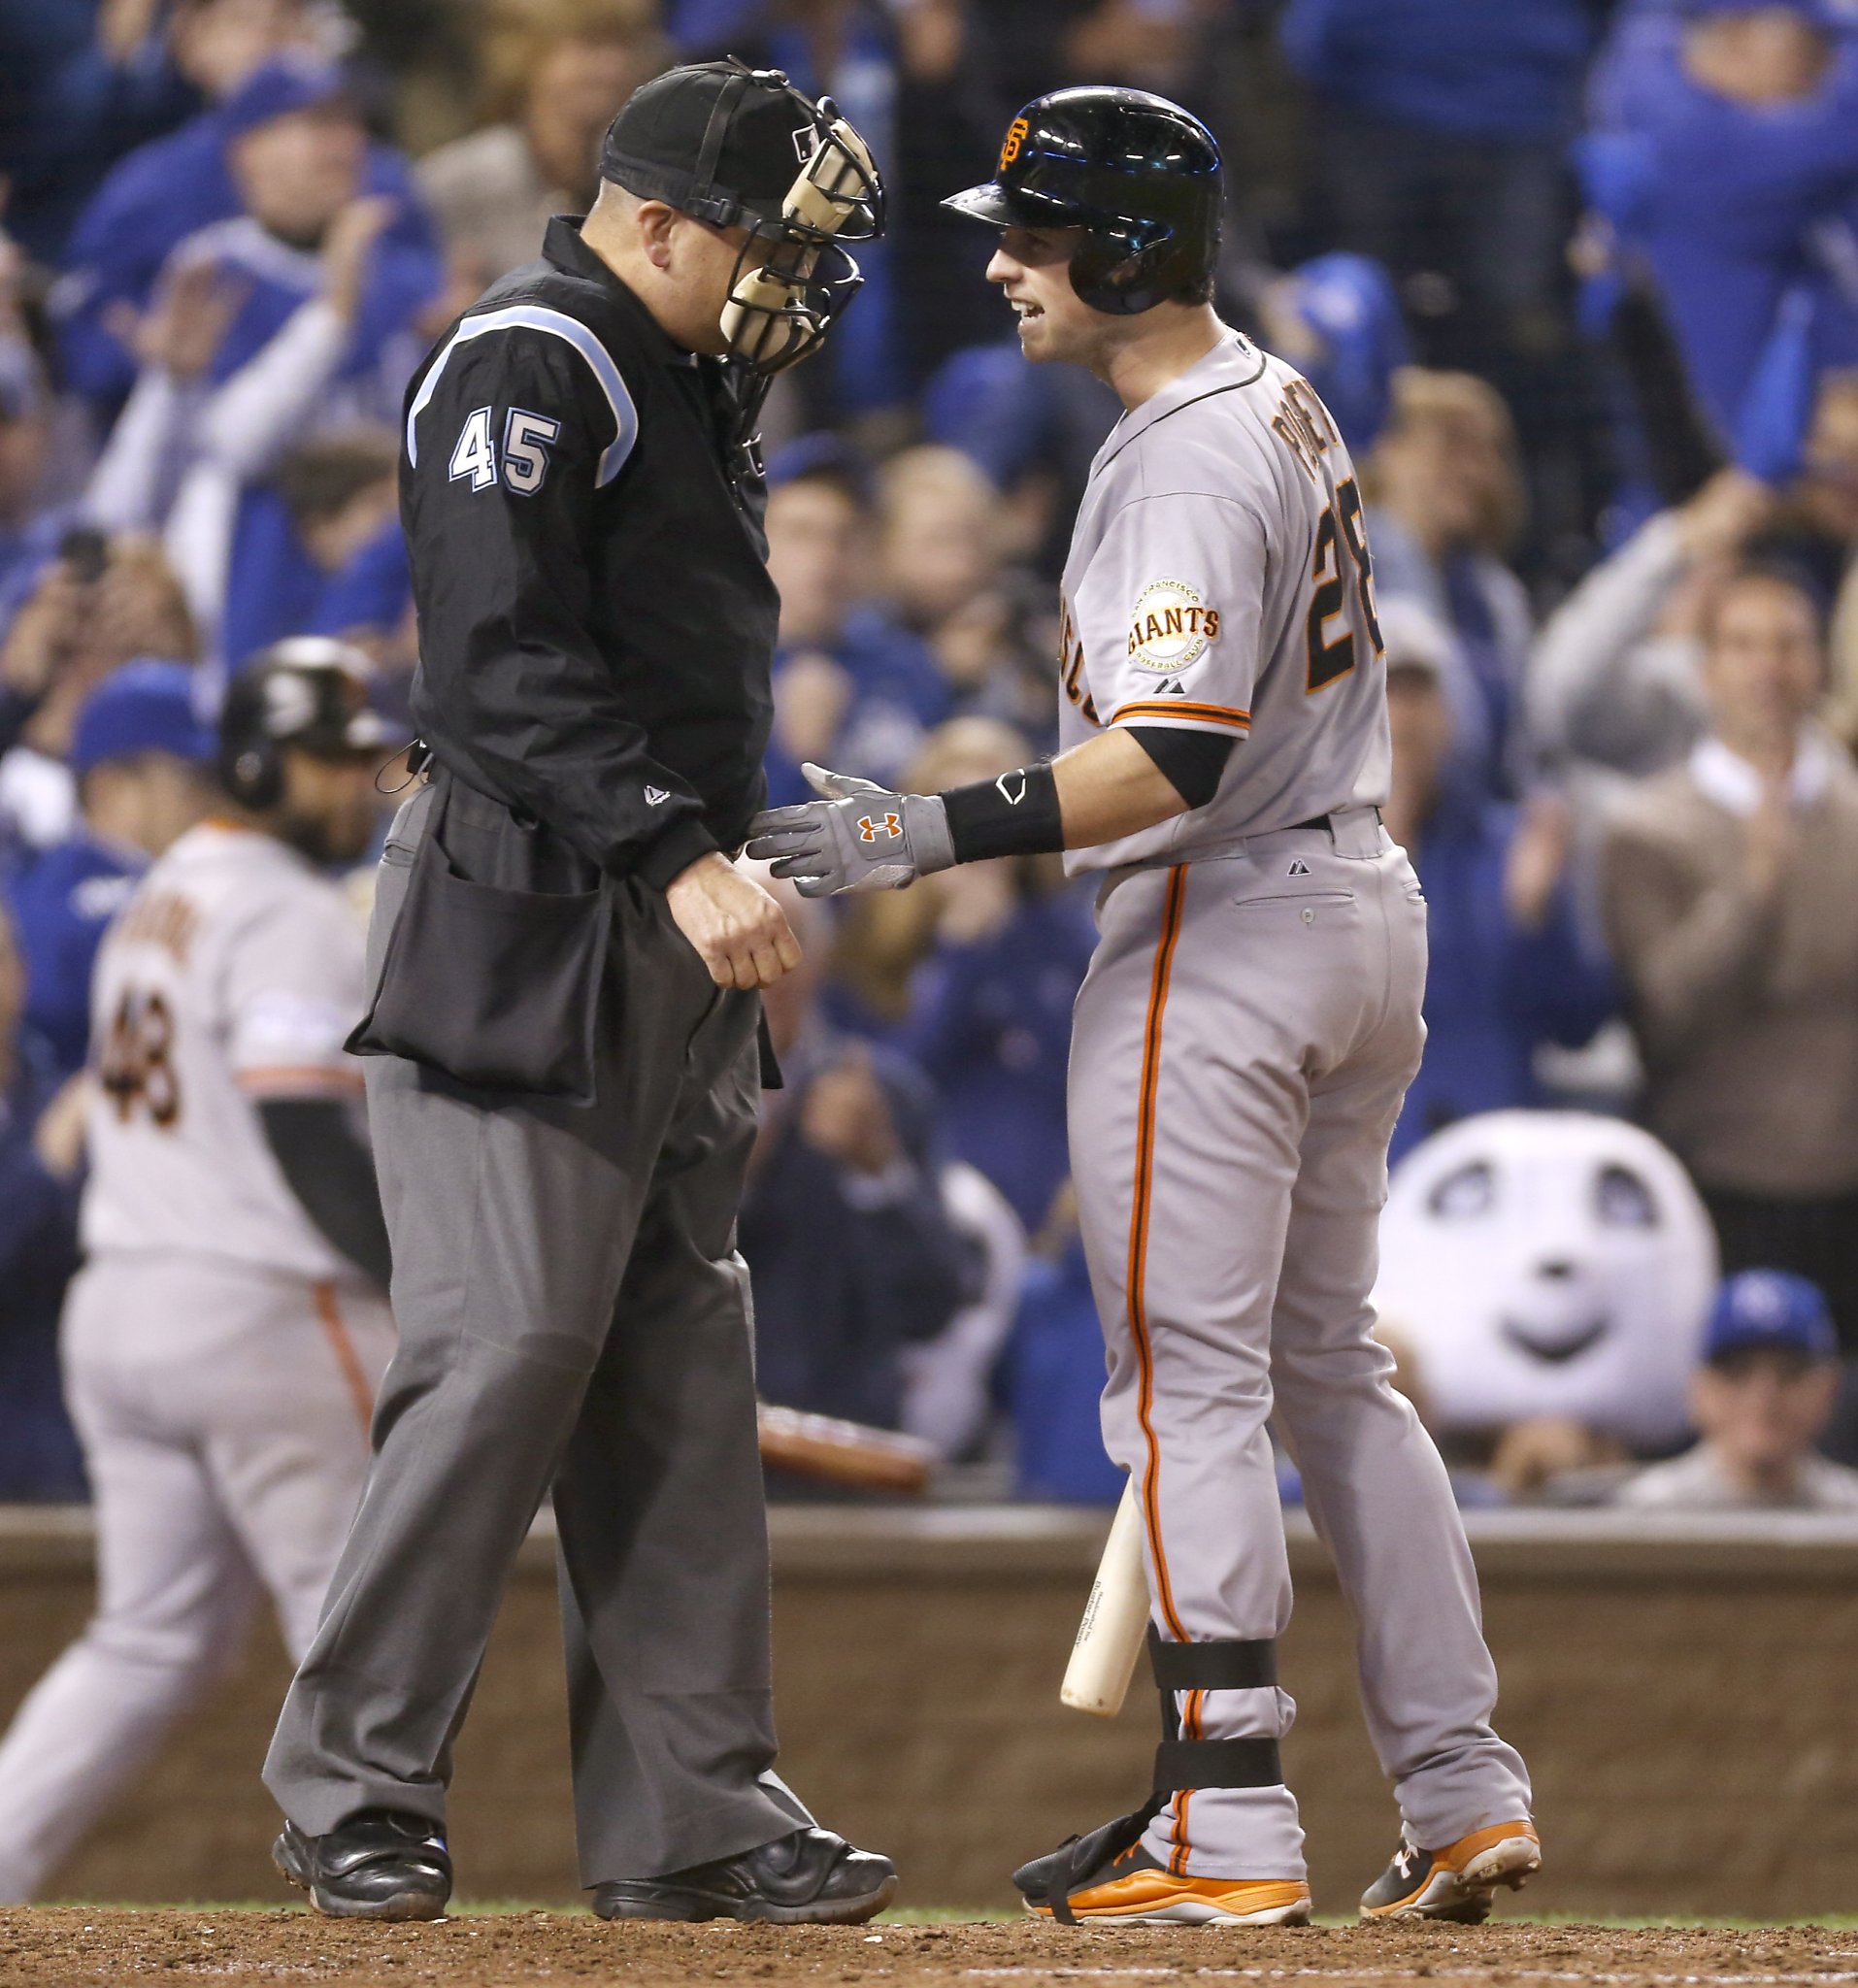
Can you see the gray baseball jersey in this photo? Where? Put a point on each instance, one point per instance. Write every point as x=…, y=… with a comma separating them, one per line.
x=1219, y=581
x=1242, y=1044
x=234, y=973
x=221, y=1358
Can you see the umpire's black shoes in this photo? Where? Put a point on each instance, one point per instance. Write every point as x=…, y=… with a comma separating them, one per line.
x=379, y=1864
x=1457, y=1882
x=809, y=1878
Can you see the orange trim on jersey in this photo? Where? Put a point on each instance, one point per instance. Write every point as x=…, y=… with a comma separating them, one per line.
x=1189, y=1730
x=1176, y=891
x=1184, y=708
x=286, y=1079
x=343, y=1348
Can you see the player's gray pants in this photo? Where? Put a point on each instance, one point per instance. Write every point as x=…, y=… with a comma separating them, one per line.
x=572, y=1317
x=1242, y=1042
x=224, y=1415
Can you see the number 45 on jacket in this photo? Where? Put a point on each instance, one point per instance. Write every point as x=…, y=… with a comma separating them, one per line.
x=525, y=452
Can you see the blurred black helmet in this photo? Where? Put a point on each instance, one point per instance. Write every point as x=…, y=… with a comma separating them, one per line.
x=308, y=691
x=1139, y=174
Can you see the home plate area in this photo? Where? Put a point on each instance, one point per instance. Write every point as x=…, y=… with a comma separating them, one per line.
x=73, y=1947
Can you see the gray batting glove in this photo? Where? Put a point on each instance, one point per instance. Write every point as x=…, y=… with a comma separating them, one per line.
x=857, y=836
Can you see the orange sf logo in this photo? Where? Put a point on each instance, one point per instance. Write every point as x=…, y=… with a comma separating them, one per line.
x=869, y=830
x=1015, y=137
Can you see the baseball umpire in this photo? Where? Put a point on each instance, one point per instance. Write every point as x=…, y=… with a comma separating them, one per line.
x=1243, y=1040
x=564, y=1032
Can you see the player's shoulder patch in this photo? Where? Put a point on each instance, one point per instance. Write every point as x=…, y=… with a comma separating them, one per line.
x=1171, y=626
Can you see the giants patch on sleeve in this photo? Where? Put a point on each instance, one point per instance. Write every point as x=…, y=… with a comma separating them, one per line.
x=1171, y=627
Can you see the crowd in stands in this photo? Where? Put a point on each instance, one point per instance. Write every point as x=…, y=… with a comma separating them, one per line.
x=1578, y=280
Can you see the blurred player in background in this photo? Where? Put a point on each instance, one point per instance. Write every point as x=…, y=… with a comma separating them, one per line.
x=222, y=1345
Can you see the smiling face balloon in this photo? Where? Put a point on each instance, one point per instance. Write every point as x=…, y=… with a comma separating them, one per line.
x=1548, y=1263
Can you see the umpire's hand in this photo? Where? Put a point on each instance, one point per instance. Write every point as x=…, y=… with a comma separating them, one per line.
x=740, y=933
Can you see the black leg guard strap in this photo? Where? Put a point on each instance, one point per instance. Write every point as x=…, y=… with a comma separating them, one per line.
x=1218, y=1764
x=1212, y=1666
x=1075, y=1860
x=1179, y=1762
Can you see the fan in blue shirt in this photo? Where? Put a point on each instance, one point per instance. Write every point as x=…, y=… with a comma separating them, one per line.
x=168, y=191
x=1508, y=970
x=990, y=1025
x=1733, y=132
x=140, y=756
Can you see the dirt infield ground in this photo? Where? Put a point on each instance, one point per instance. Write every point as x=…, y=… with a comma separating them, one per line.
x=50, y=1949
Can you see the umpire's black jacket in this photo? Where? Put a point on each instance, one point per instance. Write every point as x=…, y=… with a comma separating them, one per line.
x=596, y=621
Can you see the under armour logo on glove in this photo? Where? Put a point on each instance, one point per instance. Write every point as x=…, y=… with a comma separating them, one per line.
x=857, y=836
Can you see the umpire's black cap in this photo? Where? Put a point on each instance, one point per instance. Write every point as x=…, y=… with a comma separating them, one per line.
x=716, y=140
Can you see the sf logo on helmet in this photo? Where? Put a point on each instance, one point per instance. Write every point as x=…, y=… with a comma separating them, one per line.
x=1015, y=137
x=890, y=827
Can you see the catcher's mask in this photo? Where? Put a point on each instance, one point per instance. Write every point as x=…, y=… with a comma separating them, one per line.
x=742, y=148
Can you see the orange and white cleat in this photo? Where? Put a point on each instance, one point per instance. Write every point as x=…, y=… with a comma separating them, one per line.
x=1457, y=1882
x=1108, y=1878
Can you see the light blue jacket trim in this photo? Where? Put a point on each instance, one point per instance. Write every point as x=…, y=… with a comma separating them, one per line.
x=537, y=318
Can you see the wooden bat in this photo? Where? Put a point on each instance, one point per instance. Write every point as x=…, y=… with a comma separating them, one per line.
x=844, y=1452
x=1116, y=1619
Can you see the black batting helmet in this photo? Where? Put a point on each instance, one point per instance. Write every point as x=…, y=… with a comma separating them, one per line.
x=310, y=692
x=1140, y=175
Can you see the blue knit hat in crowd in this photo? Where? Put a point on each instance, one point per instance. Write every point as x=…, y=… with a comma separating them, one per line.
x=144, y=706
x=274, y=89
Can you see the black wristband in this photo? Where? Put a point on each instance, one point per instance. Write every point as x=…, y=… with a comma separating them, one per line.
x=1015, y=816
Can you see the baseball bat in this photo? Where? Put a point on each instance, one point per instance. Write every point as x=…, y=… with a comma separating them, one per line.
x=844, y=1452
x=1116, y=1619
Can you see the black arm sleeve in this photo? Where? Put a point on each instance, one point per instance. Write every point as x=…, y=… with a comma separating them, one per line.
x=331, y=1173
x=511, y=691
x=1191, y=762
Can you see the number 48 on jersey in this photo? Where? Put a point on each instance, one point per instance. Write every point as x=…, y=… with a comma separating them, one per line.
x=134, y=1070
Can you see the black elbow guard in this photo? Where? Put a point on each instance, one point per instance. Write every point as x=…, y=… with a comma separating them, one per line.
x=1190, y=762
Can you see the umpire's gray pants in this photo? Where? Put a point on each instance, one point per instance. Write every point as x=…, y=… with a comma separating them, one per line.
x=572, y=1318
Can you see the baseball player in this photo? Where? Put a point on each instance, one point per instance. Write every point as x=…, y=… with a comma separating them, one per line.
x=1241, y=1042
x=222, y=1345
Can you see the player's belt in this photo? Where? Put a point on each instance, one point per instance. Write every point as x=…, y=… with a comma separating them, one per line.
x=1347, y=828
x=1326, y=822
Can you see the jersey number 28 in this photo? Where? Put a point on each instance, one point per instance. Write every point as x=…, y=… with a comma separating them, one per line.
x=1334, y=655
x=134, y=1068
